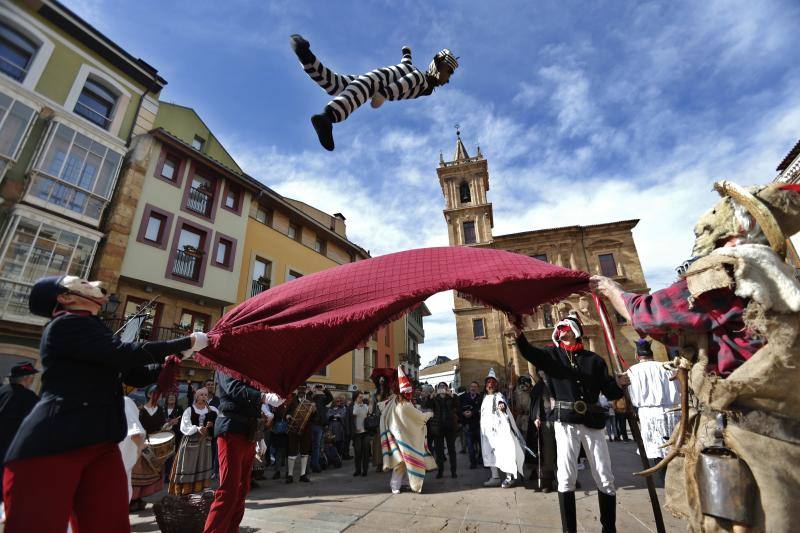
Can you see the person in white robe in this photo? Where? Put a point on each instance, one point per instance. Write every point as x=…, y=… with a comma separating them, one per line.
x=500, y=438
x=134, y=442
x=655, y=394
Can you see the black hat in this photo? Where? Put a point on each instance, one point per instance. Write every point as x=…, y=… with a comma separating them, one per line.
x=22, y=369
x=643, y=348
x=43, y=298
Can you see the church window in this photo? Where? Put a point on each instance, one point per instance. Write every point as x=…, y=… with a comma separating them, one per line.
x=463, y=193
x=478, y=328
x=469, y=232
x=608, y=267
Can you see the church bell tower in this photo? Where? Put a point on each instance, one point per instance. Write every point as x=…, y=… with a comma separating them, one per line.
x=464, y=182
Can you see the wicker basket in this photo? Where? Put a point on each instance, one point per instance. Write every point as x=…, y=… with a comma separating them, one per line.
x=183, y=514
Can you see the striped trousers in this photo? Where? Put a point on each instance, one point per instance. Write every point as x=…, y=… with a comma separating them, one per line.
x=351, y=92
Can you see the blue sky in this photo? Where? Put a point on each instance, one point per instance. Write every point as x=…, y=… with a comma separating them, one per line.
x=587, y=112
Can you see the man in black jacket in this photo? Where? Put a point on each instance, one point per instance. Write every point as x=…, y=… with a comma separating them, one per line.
x=70, y=438
x=235, y=429
x=577, y=376
x=444, y=426
x=471, y=421
x=16, y=401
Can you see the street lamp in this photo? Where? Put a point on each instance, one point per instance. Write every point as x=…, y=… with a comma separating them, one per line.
x=109, y=309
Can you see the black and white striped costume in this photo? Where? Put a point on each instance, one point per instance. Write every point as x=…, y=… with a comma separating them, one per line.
x=397, y=82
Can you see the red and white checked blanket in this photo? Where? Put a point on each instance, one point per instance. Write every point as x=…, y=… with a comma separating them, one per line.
x=277, y=339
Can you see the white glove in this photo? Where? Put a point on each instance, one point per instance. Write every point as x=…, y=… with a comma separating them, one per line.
x=200, y=341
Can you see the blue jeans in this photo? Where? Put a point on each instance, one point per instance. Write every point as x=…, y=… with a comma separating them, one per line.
x=317, y=433
x=472, y=438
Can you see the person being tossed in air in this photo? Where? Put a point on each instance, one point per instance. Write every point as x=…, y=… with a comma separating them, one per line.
x=402, y=81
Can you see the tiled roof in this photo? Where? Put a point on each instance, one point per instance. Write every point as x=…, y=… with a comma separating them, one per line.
x=793, y=153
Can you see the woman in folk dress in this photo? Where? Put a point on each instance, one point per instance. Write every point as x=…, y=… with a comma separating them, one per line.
x=192, y=469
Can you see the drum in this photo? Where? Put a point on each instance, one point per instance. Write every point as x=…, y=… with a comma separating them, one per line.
x=301, y=416
x=160, y=447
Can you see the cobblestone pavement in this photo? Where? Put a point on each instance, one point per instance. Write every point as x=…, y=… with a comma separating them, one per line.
x=337, y=501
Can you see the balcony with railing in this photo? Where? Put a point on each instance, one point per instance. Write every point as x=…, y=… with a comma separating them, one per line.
x=187, y=265
x=200, y=201
x=258, y=286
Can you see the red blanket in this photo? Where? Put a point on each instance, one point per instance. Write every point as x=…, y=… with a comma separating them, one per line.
x=278, y=338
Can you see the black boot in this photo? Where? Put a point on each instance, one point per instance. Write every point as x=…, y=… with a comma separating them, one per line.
x=608, y=512
x=566, y=502
x=323, y=125
x=439, y=474
x=302, y=49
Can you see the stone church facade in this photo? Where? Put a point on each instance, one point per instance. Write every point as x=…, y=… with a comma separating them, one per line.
x=485, y=338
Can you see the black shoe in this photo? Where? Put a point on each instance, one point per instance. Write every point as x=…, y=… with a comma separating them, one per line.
x=323, y=125
x=302, y=49
x=276, y=475
x=453, y=475
x=577, y=484
x=364, y=473
x=289, y=479
x=566, y=502
x=439, y=474
x=356, y=473
x=608, y=512
x=304, y=479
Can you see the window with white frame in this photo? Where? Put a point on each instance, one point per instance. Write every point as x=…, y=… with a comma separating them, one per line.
x=74, y=173
x=198, y=143
x=34, y=249
x=16, y=52
x=15, y=120
x=96, y=103
x=293, y=275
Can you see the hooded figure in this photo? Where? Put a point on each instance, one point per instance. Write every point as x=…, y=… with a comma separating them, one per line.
x=397, y=82
x=501, y=441
x=403, y=438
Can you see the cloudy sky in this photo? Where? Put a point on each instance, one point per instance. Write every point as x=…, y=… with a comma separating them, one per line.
x=587, y=112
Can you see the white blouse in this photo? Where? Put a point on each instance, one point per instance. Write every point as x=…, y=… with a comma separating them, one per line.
x=187, y=428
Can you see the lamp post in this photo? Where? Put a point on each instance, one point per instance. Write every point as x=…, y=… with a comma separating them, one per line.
x=109, y=309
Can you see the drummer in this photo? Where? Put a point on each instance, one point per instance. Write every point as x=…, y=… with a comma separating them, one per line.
x=70, y=438
x=298, y=415
x=148, y=475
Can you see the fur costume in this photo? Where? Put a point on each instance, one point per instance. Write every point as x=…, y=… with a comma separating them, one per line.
x=760, y=396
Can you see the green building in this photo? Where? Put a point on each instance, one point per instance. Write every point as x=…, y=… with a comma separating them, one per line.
x=70, y=102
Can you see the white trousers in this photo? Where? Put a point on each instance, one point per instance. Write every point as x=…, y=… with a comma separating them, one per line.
x=568, y=446
x=399, y=475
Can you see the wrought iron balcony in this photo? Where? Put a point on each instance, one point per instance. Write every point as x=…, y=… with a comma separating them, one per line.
x=257, y=287
x=200, y=201
x=186, y=265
